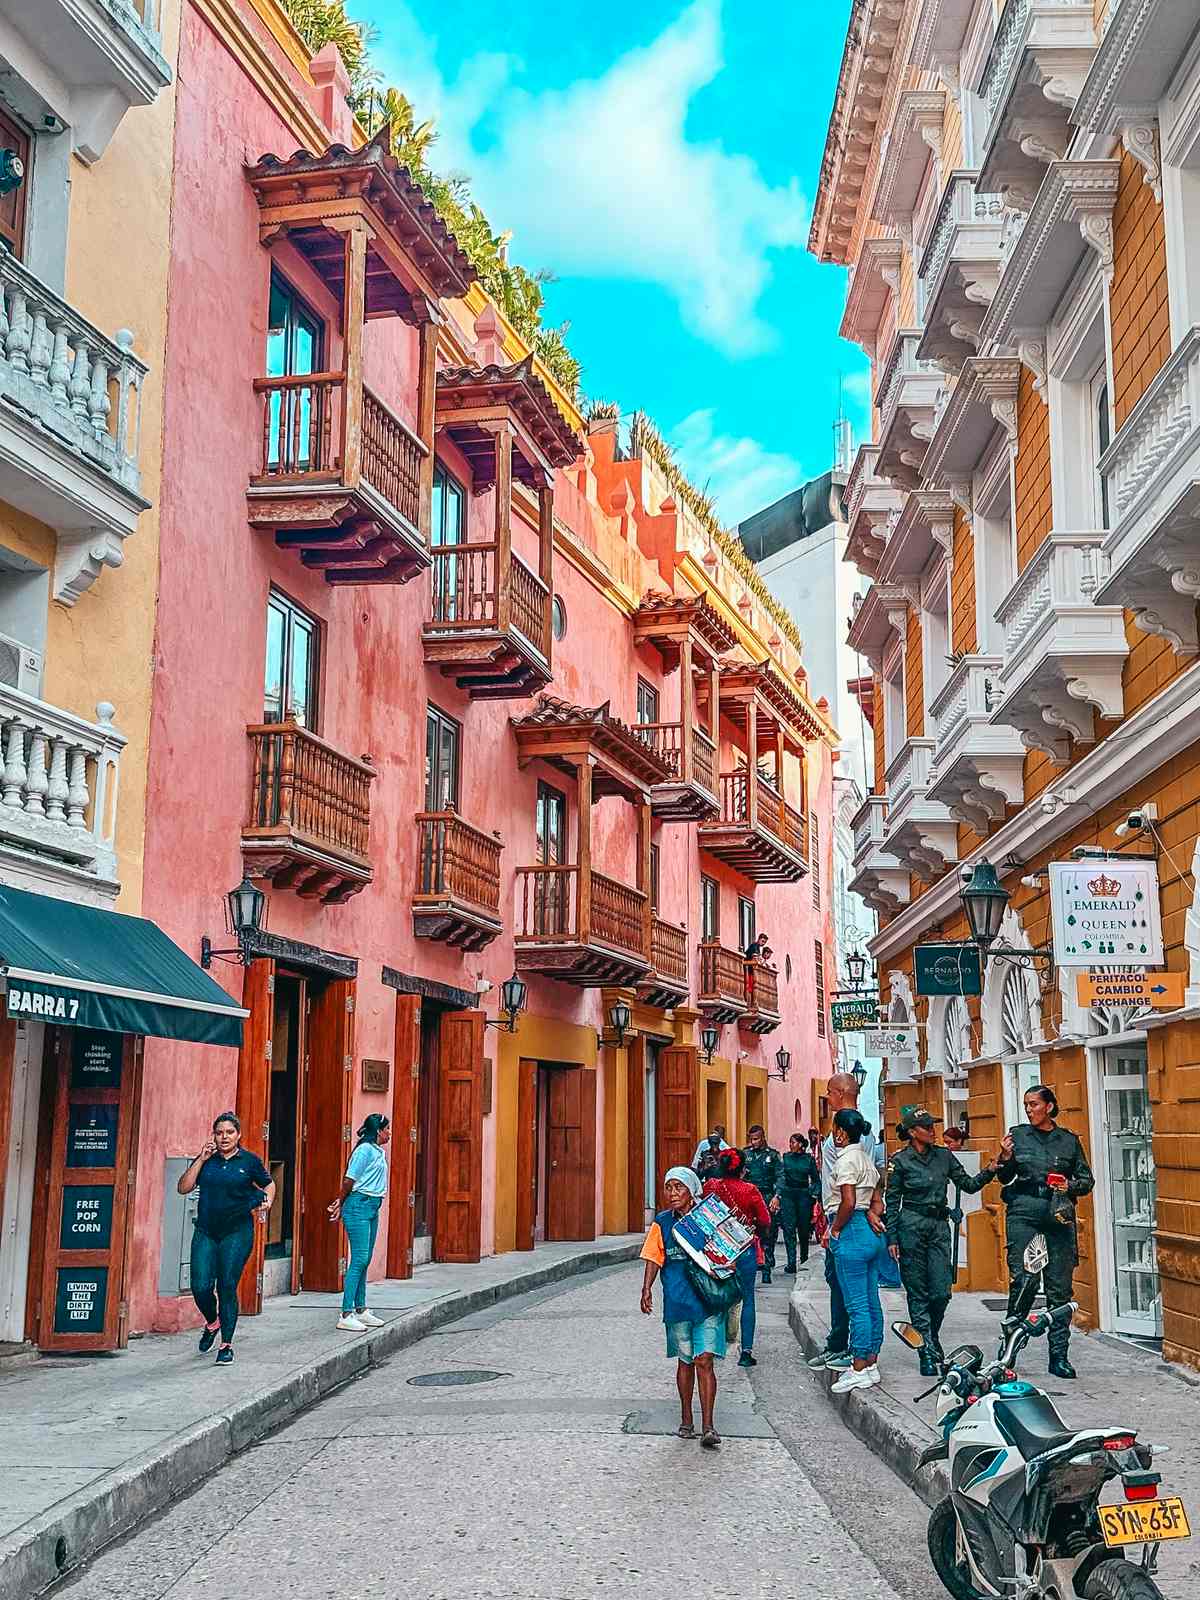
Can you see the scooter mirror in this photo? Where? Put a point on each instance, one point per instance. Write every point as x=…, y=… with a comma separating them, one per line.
x=907, y=1334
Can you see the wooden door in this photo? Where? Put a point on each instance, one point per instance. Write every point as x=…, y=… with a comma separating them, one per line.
x=571, y=1155
x=296, y=1164
x=403, y=1150
x=458, y=1211
x=635, y=1100
x=676, y=1113
x=8, y=1041
x=328, y=1099
x=254, y=1105
x=93, y=1148
x=527, y=1148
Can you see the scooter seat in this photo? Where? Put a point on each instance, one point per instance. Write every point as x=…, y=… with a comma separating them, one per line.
x=1031, y=1423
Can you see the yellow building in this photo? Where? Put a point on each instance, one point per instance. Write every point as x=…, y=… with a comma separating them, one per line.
x=1014, y=188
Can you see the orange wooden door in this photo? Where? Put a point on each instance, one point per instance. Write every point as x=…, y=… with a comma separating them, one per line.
x=635, y=1100
x=403, y=1148
x=527, y=1150
x=571, y=1155
x=458, y=1211
x=328, y=1100
x=676, y=1112
x=254, y=1105
x=92, y=1171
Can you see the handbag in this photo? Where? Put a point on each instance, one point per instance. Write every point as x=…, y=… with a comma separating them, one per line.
x=716, y=1295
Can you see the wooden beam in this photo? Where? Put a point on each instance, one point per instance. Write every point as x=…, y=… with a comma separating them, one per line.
x=752, y=759
x=426, y=422
x=546, y=563
x=714, y=706
x=643, y=871
x=583, y=907
x=354, y=305
x=687, y=700
x=503, y=527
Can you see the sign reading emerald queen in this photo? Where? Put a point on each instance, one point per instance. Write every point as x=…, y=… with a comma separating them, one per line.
x=1105, y=913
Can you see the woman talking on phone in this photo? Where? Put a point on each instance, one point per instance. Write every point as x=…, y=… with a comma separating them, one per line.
x=234, y=1185
x=1044, y=1172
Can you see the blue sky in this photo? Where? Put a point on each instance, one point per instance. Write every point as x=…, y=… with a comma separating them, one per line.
x=660, y=159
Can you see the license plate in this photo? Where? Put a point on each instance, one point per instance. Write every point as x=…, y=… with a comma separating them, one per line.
x=1144, y=1521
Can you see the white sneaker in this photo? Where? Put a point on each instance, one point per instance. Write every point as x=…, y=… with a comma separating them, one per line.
x=855, y=1380
x=873, y=1369
x=369, y=1319
x=351, y=1324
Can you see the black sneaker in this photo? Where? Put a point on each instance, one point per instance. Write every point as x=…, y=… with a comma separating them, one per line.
x=225, y=1355
x=746, y=1359
x=207, y=1339
x=766, y=1277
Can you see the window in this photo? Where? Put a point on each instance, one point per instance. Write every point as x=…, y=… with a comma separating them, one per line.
x=819, y=969
x=745, y=923
x=290, y=687
x=710, y=908
x=442, y=737
x=1102, y=438
x=447, y=527
x=17, y=147
x=294, y=432
x=654, y=877
x=895, y=715
x=814, y=857
x=551, y=826
x=647, y=701
x=558, y=617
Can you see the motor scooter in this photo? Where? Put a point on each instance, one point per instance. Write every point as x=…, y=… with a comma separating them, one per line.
x=1024, y=1518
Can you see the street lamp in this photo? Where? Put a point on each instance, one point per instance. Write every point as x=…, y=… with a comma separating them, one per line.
x=709, y=1040
x=860, y=1073
x=620, y=1018
x=244, y=908
x=985, y=900
x=783, y=1060
x=512, y=1002
x=856, y=966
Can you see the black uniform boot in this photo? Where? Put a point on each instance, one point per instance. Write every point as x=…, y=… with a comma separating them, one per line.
x=928, y=1362
x=1060, y=1366
x=937, y=1315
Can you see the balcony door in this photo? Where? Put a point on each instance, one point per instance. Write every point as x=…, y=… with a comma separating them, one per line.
x=442, y=742
x=552, y=901
x=15, y=140
x=447, y=529
x=294, y=340
x=710, y=908
x=290, y=686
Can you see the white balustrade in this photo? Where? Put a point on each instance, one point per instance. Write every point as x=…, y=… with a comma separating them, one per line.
x=907, y=776
x=870, y=822
x=1062, y=575
x=83, y=387
x=1158, y=425
x=58, y=781
x=969, y=692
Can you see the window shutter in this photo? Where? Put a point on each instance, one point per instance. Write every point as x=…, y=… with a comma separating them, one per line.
x=814, y=857
x=819, y=967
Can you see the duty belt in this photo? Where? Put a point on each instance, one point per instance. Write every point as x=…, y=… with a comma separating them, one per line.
x=940, y=1213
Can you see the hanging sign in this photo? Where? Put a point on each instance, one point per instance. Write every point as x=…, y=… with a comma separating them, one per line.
x=1130, y=986
x=895, y=1043
x=852, y=1016
x=941, y=969
x=1105, y=913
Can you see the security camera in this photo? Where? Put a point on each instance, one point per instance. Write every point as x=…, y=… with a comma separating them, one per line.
x=966, y=873
x=1137, y=821
x=482, y=984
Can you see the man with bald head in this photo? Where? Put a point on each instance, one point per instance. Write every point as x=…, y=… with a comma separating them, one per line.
x=842, y=1093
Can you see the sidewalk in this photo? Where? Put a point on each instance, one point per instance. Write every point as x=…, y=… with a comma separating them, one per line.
x=1119, y=1385
x=91, y=1445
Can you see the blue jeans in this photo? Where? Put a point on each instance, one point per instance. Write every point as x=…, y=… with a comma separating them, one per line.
x=839, y=1317
x=218, y=1263
x=747, y=1272
x=857, y=1257
x=360, y=1218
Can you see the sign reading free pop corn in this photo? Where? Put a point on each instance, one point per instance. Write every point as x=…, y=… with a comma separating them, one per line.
x=1105, y=913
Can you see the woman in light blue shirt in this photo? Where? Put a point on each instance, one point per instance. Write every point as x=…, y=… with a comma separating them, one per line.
x=363, y=1189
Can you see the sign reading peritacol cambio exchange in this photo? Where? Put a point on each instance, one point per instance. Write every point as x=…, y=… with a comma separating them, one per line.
x=1105, y=913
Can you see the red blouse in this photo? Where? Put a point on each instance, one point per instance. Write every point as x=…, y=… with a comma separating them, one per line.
x=746, y=1200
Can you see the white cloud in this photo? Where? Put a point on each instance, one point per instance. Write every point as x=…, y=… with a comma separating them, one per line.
x=740, y=475
x=601, y=178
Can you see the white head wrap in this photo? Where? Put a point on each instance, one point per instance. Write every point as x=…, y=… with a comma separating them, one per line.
x=688, y=1178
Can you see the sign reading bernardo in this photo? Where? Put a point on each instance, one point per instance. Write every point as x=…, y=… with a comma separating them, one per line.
x=1105, y=913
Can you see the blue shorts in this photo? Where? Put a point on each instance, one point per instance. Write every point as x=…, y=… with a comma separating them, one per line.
x=687, y=1340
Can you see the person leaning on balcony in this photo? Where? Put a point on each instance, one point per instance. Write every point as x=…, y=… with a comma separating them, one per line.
x=1044, y=1171
x=234, y=1186
x=363, y=1189
x=695, y=1338
x=920, y=1236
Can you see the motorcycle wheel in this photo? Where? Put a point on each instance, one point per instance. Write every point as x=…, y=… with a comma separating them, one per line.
x=1119, y=1580
x=955, y=1574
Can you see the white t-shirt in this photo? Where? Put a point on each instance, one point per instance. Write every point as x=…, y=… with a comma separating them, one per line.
x=855, y=1166
x=829, y=1158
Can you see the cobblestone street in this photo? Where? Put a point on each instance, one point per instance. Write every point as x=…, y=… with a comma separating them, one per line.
x=560, y=1477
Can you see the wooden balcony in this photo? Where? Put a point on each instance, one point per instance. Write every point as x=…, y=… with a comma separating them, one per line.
x=339, y=479
x=667, y=983
x=494, y=639
x=581, y=927
x=724, y=992
x=310, y=814
x=762, y=985
x=458, y=874
x=756, y=831
x=690, y=792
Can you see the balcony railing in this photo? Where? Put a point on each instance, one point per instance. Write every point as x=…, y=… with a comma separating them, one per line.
x=978, y=765
x=310, y=813
x=724, y=990
x=599, y=929
x=921, y=834
x=669, y=952
x=466, y=598
x=458, y=861
x=303, y=440
x=762, y=989
x=58, y=783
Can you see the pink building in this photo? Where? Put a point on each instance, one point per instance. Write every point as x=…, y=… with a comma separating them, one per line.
x=469, y=696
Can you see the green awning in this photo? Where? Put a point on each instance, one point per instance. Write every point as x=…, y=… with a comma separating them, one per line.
x=82, y=967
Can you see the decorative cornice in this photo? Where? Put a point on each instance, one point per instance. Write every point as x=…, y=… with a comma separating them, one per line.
x=247, y=49
x=916, y=123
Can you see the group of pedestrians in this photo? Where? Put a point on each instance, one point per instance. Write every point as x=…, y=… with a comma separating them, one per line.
x=873, y=1215
x=237, y=1191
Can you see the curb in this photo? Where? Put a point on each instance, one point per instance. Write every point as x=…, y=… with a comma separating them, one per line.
x=880, y=1421
x=55, y=1543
